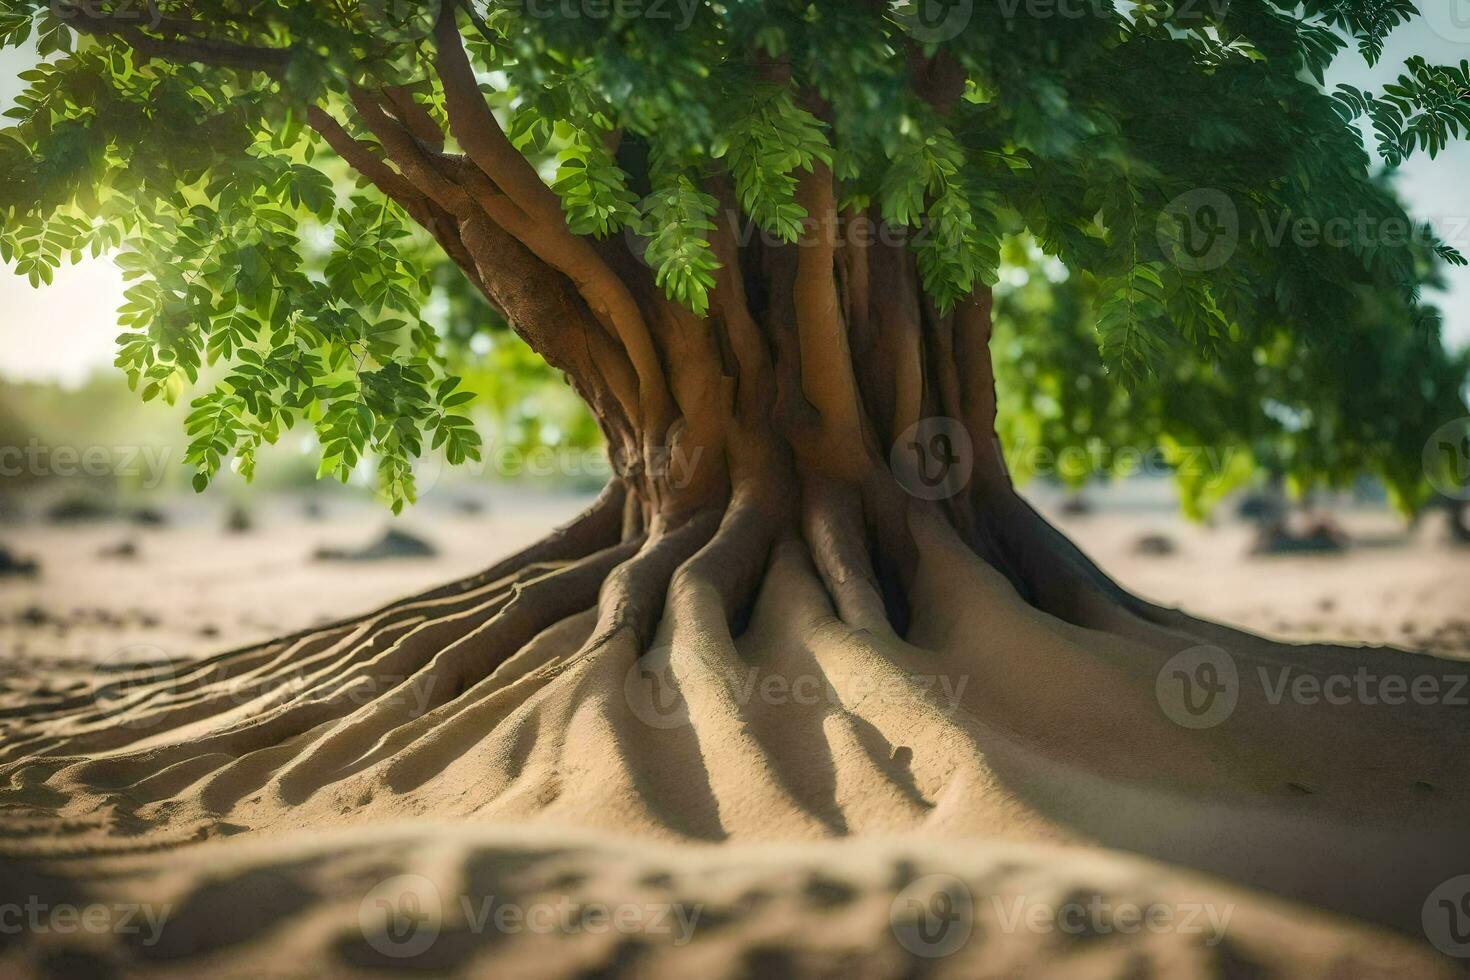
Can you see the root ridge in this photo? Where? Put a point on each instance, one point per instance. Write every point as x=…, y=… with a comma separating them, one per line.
x=736, y=675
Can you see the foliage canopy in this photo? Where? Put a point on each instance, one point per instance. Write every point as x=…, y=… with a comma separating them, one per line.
x=179, y=136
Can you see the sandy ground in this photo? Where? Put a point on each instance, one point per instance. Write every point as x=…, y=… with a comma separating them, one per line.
x=194, y=588
x=1408, y=588
x=514, y=902
x=469, y=899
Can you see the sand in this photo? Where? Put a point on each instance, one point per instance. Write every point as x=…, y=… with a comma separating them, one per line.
x=909, y=837
x=435, y=900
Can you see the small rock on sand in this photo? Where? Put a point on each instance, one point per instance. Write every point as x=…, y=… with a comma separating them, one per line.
x=1319, y=536
x=34, y=616
x=1076, y=505
x=149, y=517
x=393, y=544
x=14, y=566
x=122, y=551
x=1155, y=545
x=469, y=505
x=239, y=521
x=75, y=509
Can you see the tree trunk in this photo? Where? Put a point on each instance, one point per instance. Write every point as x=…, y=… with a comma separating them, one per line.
x=810, y=605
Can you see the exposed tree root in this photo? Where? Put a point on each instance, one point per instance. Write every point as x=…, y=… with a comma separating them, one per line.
x=735, y=677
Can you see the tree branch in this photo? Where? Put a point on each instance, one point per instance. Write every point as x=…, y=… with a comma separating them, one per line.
x=545, y=231
x=436, y=220
x=415, y=117
x=186, y=46
x=546, y=311
x=360, y=158
x=462, y=209
x=730, y=303
x=477, y=130
x=408, y=156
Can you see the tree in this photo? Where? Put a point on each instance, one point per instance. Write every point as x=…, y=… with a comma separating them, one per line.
x=759, y=243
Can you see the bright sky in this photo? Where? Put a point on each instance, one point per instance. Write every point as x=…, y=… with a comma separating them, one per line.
x=63, y=331
x=66, y=330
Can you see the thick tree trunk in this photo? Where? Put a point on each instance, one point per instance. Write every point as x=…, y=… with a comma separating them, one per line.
x=804, y=610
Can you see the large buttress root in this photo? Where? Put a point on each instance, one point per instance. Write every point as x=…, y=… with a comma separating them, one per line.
x=737, y=677
x=760, y=631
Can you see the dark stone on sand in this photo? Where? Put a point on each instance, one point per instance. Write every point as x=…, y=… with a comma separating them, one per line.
x=1155, y=546
x=1259, y=507
x=122, y=551
x=469, y=505
x=239, y=521
x=76, y=509
x=1076, y=505
x=149, y=517
x=393, y=544
x=34, y=616
x=14, y=566
x=1322, y=536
